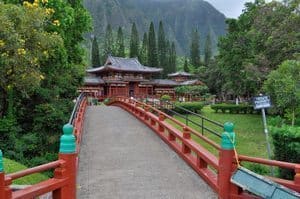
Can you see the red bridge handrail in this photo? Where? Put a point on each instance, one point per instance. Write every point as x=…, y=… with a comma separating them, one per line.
x=37, y=169
x=179, y=123
x=277, y=163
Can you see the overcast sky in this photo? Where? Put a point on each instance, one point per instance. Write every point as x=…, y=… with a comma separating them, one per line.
x=230, y=8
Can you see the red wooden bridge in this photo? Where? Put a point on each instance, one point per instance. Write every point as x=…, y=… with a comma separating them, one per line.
x=120, y=158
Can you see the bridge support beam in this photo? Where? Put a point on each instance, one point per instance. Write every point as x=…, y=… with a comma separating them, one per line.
x=226, y=165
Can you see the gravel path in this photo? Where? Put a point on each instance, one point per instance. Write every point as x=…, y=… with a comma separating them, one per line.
x=122, y=158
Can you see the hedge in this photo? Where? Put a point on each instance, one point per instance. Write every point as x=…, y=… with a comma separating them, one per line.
x=191, y=106
x=286, y=141
x=232, y=108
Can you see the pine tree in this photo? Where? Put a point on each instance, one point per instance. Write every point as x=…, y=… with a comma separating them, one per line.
x=161, y=48
x=134, y=42
x=143, y=55
x=208, y=51
x=172, y=68
x=108, y=42
x=195, y=49
x=120, y=43
x=95, y=53
x=186, y=66
x=152, y=49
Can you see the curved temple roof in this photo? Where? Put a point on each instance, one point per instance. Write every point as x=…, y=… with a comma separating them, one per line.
x=180, y=74
x=124, y=64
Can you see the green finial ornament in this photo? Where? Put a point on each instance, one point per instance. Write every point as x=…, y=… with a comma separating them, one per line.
x=1, y=162
x=67, y=140
x=228, y=137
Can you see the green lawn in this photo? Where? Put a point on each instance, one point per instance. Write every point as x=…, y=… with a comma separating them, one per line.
x=248, y=129
x=11, y=166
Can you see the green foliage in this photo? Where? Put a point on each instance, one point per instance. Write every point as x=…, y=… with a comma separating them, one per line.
x=152, y=48
x=134, y=42
x=41, y=42
x=186, y=66
x=162, y=50
x=95, y=53
x=195, y=49
x=179, y=17
x=165, y=97
x=207, y=50
x=283, y=85
x=193, y=90
x=191, y=106
x=257, y=42
x=172, y=59
x=120, y=43
x=108, y=42
x=232, y=108
x=143, y=55
x=286, y=141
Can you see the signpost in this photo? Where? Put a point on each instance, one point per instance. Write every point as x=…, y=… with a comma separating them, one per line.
x=262, y=102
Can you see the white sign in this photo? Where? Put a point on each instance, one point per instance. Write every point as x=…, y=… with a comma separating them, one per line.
x=261, y=102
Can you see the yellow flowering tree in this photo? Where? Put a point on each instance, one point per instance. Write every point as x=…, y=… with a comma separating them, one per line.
x=24, y=46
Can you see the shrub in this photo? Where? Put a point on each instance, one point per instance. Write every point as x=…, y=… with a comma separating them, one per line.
x=191, y=106
x=165, y=97
x=286, y=141
x=232, y=108
x=106, y=101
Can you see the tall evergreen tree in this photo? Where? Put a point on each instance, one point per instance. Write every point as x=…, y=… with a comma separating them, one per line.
x=195, y=49
x=143, y=55
x=95, y=53
x=120, y=48
x=207, y=50
x=134, y=42
x=152, y=49
x=161, y=48
x=186, y=66
x=173, y=56
x=108, y=42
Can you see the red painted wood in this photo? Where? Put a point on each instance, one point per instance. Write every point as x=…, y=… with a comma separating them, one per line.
x=38, y=169
x=40, y=189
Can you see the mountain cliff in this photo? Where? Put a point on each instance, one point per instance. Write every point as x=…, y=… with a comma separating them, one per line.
x=180, y=17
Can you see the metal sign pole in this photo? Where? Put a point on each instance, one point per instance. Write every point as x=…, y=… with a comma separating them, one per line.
x=267, y=137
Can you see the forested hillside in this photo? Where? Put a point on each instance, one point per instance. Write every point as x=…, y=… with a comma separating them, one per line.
x=180, y=18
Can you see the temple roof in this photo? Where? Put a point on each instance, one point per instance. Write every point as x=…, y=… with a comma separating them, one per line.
x=180, y=73
x=93, y=81
x=124, y=64
x=191, y=82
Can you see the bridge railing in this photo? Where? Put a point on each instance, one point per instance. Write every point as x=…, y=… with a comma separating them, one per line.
x=216, y=171
x=63, y=184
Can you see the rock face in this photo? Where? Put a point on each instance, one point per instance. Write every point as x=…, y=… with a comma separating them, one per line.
x=180, y=17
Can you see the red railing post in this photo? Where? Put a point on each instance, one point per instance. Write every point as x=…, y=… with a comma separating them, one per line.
x=161, y=118
x=5, y=191
x=297, y=175
x=186, y=135
x=226, y=156
x=67, y=152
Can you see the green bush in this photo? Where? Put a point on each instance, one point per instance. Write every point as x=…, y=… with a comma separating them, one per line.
x=165, y=97
x=286, y=141
x=232, y=108
x=106, y=101
x=191, y=106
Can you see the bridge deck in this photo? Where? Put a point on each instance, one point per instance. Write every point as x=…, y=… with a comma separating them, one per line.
x=122, y=158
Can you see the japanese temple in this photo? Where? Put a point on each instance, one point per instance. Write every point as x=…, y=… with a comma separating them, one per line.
x=128, y=77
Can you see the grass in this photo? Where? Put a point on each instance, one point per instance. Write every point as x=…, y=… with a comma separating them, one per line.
x=248, y=129
x=11, y=166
